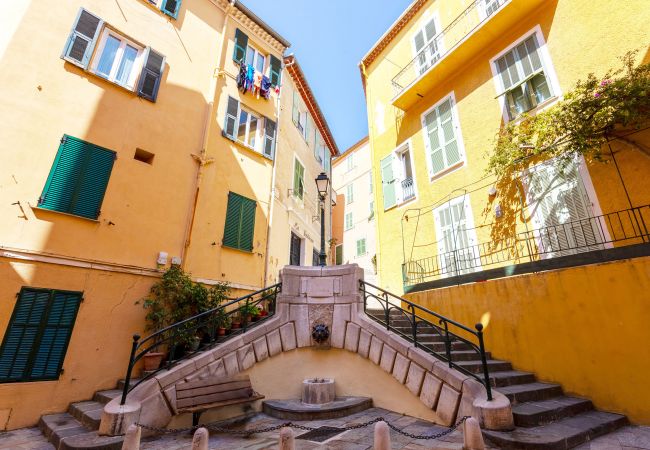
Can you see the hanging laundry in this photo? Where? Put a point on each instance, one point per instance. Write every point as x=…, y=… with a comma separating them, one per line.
x=250, y=73
x=257, y=83
x=265, y=87
x=241, y=77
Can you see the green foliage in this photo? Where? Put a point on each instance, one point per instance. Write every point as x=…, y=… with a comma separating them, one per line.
x=579, y=124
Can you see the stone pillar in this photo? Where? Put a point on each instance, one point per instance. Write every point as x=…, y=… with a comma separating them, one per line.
x=472, y=437
x=132, y=438
x=382, y=436
x=200, y=439
x=287, y=441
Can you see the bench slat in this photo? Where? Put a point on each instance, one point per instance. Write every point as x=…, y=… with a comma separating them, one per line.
x=209, y=382
x=213, y=389
x=243, y=394
x=192, y=409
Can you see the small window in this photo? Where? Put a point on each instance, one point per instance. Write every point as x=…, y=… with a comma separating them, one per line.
x=255, y=58
x=371, y=207
x=349, y=197
x=37, y=337
x=525, y=83
x=350, y=162
x=118, y=59
x=240, y=222
x=315, y=258
x=298, y=179
x=442, y=137
x=339, y=254
x=250, y=129
x=143, y=156
x=348, y=221
x=361, y=247
x=427, y=46
x=78, y=178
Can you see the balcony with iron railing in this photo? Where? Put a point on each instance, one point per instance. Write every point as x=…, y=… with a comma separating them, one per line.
x=408, y=189
x=608, y=231
x=463, y=38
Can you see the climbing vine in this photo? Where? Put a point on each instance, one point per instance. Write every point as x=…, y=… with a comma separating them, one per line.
x=595, y=109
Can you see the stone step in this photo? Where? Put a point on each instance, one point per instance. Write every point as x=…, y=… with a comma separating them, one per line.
x=511, y=377
x=494, y=365
x=468, y=355
x=531, y=414
x=560, y=435
x=107, y=395
x=89, y=413
x=67, y=433
x=120, y=383
x=530, y=392
x=439, y=347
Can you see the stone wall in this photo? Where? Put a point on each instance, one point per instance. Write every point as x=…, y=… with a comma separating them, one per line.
x=310, y=296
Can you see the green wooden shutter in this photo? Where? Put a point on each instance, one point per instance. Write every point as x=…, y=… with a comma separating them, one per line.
x=388, y=181
x=81, y=41
x=452, y=152
x=37, y=337
x=298, y=179
x=230, y=122
x=78, y=179
x=240, y=222
x=339, y=255
x=276, y=71
x=151, y=75
x=295, y=112
x=171, y=7
x=241, y=43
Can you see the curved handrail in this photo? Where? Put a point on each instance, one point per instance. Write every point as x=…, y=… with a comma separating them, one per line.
x=206, y=321
x=417, y=322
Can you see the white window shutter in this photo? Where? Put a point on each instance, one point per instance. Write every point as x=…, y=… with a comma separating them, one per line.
x=81, y=41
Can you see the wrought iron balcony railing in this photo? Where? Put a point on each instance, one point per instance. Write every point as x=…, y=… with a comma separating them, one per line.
x=620, y=228
x=446, y=41
x=408, y=189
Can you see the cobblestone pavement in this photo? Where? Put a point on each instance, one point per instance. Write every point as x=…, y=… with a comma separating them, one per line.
x=359, y=439
x=628, y=438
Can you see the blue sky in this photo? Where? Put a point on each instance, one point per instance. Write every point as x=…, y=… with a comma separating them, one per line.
x=329, y=38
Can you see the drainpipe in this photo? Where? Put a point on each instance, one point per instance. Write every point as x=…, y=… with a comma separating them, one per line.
x=202, y=159
x=272, y=187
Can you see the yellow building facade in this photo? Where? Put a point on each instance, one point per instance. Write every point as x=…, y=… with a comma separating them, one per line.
x=130, y=145
x=440, y=84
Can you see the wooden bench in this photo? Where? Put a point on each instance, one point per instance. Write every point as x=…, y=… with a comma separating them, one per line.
x=200, y=395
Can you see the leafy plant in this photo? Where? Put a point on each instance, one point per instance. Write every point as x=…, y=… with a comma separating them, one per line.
x=595, y=109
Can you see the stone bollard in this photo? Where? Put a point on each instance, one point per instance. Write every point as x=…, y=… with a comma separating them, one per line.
x=200, y=439
x=286, y=439
x=382, y=436
x=132, y=438
x=472, y=437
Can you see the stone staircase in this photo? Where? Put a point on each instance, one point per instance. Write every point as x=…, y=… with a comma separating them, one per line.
x=77, y=428
x=544, y=417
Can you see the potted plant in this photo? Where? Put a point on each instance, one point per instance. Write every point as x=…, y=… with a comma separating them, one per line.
x=236, y=321
x=247, y=311
x=223, y=325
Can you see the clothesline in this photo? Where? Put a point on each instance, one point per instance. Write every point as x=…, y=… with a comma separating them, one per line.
x=250, y=80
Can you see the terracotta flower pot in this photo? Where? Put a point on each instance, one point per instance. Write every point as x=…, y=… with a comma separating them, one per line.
x=236, y=325
x=221, y=331
x=152, y=360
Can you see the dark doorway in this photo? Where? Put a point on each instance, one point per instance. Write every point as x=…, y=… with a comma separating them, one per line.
x=294, y=253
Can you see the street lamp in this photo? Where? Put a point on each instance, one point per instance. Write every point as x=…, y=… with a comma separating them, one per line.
x=322, y=183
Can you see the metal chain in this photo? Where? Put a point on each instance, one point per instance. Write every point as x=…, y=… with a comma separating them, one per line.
x=213, y=427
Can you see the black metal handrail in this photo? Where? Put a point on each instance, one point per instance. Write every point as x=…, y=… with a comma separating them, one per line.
x=419, y=325
x=206, y=323
x=624, y=227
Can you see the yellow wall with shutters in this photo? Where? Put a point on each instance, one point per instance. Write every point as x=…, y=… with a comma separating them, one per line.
x=581, y=36
x=147, y=209
x=583, y=327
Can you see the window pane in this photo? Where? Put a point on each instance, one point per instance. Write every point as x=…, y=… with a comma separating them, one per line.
x=252, y=131
x=523, y=58
x=260, y=63
x=126, y=65
x=533, y=52
x=108, y=56
x=250, y=56
x=241, y=133
x=540, y=88
x=517, y=102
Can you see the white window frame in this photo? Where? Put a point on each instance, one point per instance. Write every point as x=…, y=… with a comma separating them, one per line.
x=400, y=173
x=259, y=132
x=256, y=54
x=346, y=228
x=132, y=81
x=547, y=68
x=469, y=226
x=349, y=163
x=435, y=17
x=459, y=139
